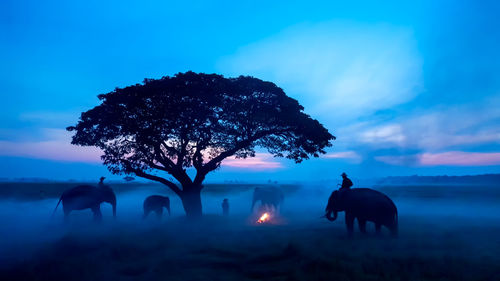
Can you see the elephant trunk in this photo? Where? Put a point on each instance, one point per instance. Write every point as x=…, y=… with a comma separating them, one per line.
x=112, y=201
x=328, y=215
x=253, y=204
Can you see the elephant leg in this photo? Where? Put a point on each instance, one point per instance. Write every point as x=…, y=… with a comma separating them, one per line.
x=349, y=222
x=378, y=227
x=159, y=212
x=362, y=225
x=66, y=215
x=146, y=213
x=97, y=213
x=394, y=230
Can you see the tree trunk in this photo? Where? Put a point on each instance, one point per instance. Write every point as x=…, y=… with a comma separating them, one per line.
x=191, y=201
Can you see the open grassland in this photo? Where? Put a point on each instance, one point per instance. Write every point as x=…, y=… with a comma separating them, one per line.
x=233, y=249
x=444, y=235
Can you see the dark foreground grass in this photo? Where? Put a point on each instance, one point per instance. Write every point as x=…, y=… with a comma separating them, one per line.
x=234, y=249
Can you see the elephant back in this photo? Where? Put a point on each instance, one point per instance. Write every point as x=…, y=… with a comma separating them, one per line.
x=367, y=198
x=78, y=191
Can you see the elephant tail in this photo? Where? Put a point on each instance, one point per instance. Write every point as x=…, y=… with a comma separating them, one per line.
x=55, y=209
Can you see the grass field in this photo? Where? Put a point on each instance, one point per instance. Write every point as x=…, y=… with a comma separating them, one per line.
x=442, y=237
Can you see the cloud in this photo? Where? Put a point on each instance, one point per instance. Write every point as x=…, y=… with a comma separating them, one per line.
x=58, y=148
x=459, y=158
x=56, y=145
x=261, y=161
x=392, y=133
x=348, y=155
x=338, y=69
x=456, y=127
x=449, y=158
x=398, y=160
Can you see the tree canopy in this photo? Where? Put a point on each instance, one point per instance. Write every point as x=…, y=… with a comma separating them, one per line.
x=196, y=120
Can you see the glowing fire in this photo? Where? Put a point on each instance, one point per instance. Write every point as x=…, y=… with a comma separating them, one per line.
x=265, y=217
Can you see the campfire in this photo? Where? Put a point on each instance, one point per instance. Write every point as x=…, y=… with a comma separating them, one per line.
x=264, y=218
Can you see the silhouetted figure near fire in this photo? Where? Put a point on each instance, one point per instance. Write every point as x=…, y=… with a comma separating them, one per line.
x=225, y=207
x=346, y=182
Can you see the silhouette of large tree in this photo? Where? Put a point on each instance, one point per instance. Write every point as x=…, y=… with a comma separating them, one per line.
x=196, y=120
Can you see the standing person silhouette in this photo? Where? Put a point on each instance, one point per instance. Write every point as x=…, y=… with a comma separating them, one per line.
x=225, y=207
x=346, y=182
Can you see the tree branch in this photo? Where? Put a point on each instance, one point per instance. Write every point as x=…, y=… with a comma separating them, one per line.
x=145, y=175
x=176, y=171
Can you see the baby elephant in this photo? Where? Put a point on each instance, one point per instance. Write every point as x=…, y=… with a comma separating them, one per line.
x=155, y=203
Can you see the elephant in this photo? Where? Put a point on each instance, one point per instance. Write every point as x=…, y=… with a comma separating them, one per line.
x=270, y=198
x=87, y=197
x=156, y=203
x=365, y=205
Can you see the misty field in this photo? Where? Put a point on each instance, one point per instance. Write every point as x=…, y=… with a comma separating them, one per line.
x=446, y=233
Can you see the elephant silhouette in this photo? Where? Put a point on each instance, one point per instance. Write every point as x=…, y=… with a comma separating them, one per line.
x=363, y=204
x=87, y=197
x=270, y=198
x=156, y=203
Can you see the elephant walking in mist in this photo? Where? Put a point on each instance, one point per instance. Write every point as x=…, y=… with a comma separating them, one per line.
x=87, y=197
x=365, y=205
x=156, y=203
x=270, y=198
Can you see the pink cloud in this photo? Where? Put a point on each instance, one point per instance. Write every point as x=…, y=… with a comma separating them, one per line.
x=450, y=158
x=459, y=158
x=261, y=161
x=51, y=150
x=58, y=148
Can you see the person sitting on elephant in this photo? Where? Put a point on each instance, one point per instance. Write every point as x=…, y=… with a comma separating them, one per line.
x=346, y=182
x=101, y=182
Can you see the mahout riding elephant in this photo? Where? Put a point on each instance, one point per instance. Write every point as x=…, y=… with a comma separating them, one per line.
x=156, y=203
x=87, y=197
x=363, y=204
x=269, y=197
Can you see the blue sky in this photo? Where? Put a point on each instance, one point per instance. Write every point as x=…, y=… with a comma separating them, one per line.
x=408, y=88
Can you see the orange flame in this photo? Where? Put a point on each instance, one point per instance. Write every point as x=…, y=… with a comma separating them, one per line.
x=265, y=217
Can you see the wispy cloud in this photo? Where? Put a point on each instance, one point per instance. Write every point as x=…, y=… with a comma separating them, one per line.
x=398, y=160
x=347, y=155
x=338, y=69
x=459, y=158
x=392, y=133
x=261, y=161
x=456, y=127
x=58, y=148
x=449, y=158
